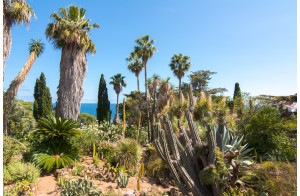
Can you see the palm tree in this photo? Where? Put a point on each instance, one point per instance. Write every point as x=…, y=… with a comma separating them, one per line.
x=135, y=66
x=36, y=48
x=118, y=82
x=144, y=51
x=14, y=12
x=70, y=32
x=179, y=65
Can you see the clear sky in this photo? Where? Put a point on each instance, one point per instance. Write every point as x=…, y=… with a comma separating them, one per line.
x=252, y=42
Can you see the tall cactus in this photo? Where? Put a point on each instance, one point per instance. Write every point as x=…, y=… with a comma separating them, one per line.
x=124, y=118
x=187, y=156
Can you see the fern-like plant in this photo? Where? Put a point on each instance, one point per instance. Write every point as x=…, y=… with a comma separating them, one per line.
x=57, y=128
x=54, y=156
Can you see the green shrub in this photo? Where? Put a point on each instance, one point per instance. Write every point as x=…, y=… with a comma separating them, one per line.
x=209, y=175
x=19, y=171
x=128, y=153
x=86, y=119
x=105, y=149
x=20, y=188
x=10, y=150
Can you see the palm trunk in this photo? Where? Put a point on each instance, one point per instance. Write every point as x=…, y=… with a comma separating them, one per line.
x=14, y=87
x=138, y=82
x=73, y=66
x=116, y=118
x=7, y=25
x=147, y=107
x=179, y=90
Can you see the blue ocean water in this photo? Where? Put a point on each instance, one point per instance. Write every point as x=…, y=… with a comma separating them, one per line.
x=90, y=108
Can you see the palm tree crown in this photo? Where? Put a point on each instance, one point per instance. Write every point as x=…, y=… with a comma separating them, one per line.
x=71, y=29
x=36, y=46
x=135, y=65
x=179, y=65
x=144, y=48
x=118, y=82
x=17, y=11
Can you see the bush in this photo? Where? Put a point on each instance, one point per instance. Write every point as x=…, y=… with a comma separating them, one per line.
x=19, y=171
x=10, y=150
x=128, y=153
x=86, y=119
x=275, y=178
x=20, y=188
x=267, y=134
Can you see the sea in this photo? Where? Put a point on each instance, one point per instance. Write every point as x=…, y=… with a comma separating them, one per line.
x=90, y=108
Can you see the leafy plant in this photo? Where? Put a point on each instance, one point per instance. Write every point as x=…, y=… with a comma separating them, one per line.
x=237, y=192
x=122, y=180
x=54, y=156
x=10, y=149
x=80, y=187
x=77, y=169
x=57, y=128
x=20, y=188
x=128, y=153
x=19, y=171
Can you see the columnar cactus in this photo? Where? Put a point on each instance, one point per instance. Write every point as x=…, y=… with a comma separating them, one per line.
x=188, y=156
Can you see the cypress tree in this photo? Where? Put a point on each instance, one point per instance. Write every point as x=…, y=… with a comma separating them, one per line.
x=237, y=91
x=103, y=105
x=42, y=105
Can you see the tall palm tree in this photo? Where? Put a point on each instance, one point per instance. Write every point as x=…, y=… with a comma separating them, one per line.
x=144, y=51
x=36, y=48
x=118, y=82
x=179, y=65
x=135, y=66
x=14, y=12
x=70, y=32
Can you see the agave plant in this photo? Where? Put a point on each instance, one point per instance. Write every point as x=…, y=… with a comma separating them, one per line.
x=232, y=143
x=57, y=128
x=54, y=156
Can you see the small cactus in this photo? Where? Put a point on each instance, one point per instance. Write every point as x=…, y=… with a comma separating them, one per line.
x=122, y=180
x=140, y=176
x=79, y=187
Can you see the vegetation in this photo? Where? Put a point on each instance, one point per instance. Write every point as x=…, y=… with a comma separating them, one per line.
x=86, y=119
x=103, y=104
x=42, y=105
x=118, y=82
x=70, y=32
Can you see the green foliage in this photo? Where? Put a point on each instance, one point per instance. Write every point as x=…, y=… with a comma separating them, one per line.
x=57, y=128
x=10, y=150
x=20, y=188
x=209, y=175
x=19, y=171
x=221, y=165
x=103, y=106
x=80, y=187
x=105, y=149
x=128, y=153
x=77, y=169
x=122, y=180
x=21, y=120
x=86, y=119
x=55, y=155
x=199, y=80
x=140, y=176
x=237, y=91
x=267, y=134
x=42, y=105
x=237, y=192
x=274, y=178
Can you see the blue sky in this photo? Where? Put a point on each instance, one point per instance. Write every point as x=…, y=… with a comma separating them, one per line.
x=250, y=42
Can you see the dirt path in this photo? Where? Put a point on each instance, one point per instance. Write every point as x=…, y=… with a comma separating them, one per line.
x=46, y=186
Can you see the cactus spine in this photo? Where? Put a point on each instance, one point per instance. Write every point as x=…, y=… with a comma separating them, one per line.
x=140, y=176
x=124, y=118
x=138, y=130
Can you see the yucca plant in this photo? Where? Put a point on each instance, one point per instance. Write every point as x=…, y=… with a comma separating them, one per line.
x=51, y=155
x=128, y=152
x=57, y=128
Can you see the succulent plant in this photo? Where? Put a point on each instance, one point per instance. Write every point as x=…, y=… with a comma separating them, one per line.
x=79, y=188
x=122, y=180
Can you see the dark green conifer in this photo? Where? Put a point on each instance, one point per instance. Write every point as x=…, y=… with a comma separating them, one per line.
x=42, y=105
x=103, y=105
x=237, y=91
